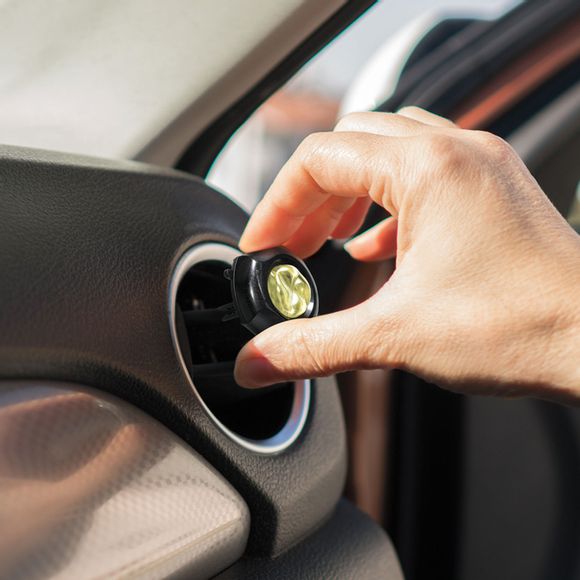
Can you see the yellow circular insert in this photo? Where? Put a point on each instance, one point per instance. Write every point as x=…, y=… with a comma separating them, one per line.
x=289, y=290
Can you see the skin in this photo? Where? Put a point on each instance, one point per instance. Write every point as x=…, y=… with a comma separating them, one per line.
x=485, y=296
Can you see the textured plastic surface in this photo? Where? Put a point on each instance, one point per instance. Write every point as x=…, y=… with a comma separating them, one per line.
x=87, y=251
x=90, y=487
x=349, y=546
x=157, y=72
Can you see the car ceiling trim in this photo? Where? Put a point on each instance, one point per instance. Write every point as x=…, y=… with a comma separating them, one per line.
x=201, y=153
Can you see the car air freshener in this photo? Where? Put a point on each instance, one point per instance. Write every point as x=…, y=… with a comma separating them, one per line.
x=269, y=287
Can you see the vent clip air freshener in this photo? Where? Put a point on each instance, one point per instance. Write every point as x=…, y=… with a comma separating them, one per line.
x=269, y=287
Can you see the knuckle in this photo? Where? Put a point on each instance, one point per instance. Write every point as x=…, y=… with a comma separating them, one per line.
x=446, y=151
x=410, y=109
x=358, y=120
x=493, y=145
x=310, y=143
x=310, y=149
x=349, y=121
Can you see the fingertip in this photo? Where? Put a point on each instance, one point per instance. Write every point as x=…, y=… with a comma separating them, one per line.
x=362, y=253
x=253, y=370
x=247, y=247
x=355, y=252
x=243, y=246
x=351, y=247
x=377, y=243
x=255, y=373
x=249, y=242
x=362, y=244
x=246, y=243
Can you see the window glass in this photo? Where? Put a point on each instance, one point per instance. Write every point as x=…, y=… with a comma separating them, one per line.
x=330, y=84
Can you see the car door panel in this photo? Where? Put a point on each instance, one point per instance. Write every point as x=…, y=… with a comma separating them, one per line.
x=89, y=250
x=90, y=483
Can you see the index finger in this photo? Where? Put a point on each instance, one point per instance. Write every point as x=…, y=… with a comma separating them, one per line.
x=325, y=164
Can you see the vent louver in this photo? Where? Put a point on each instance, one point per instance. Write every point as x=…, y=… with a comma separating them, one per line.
x=265, y=420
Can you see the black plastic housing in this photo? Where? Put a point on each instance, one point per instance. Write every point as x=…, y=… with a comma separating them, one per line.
x=250, y=288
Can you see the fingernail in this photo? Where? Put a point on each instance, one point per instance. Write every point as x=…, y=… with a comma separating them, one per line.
x=255, y=372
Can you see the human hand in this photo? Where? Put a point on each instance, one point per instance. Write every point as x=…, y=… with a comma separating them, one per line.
x=484, y=298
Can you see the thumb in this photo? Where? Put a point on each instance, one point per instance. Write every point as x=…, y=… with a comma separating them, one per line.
x=357, y=338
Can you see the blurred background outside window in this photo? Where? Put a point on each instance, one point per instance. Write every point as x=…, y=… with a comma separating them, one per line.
x=340, y=79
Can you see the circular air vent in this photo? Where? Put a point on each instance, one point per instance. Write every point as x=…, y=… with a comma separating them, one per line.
x=262, y=420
